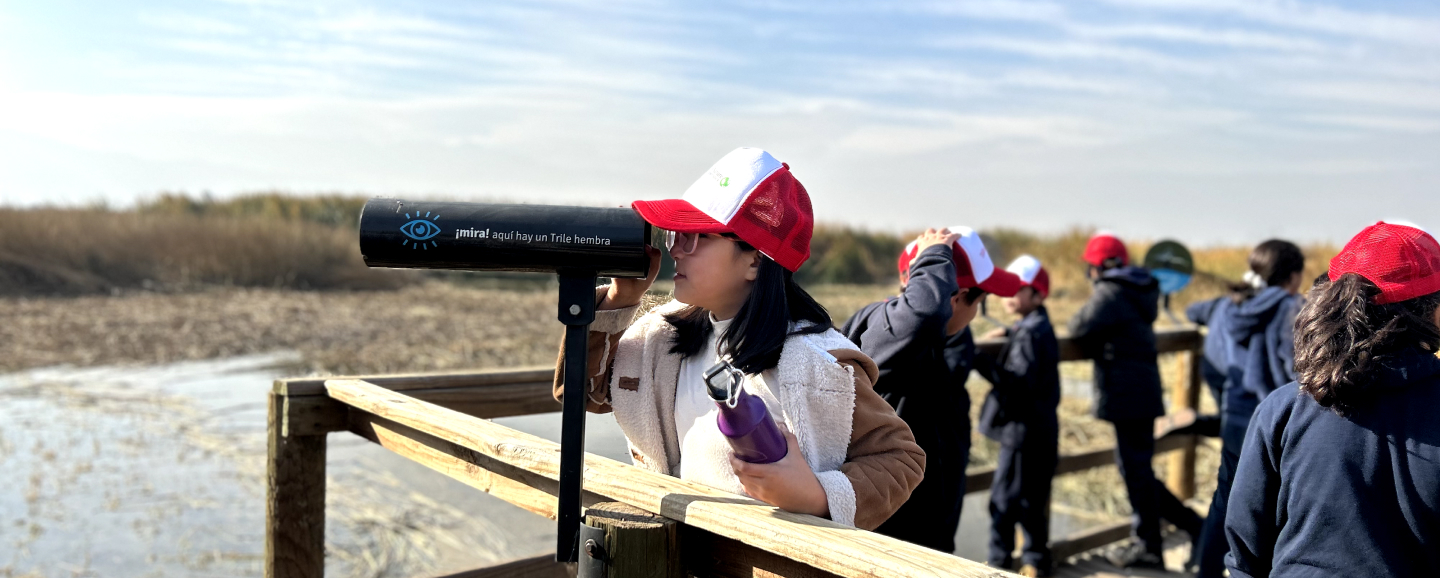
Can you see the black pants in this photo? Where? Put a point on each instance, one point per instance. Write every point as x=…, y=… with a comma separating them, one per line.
x=1020, y=495
x=1149, y=499
x=931, y=516
x=1212, y=538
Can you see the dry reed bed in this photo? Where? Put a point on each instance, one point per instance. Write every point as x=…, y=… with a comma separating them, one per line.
x=434, y=326
x=78, y=252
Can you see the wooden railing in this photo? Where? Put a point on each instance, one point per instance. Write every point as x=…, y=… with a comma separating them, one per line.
x=441, y=421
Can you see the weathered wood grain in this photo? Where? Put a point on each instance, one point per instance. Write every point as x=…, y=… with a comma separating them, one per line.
x=294, y=501
x=638, y=544
x=813, y=541
x=435, y=380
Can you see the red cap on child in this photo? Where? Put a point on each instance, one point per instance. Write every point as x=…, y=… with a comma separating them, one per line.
x=1031, y=274
x=973, y=267
x=1403, y=261
x=747, y=193
x=1105, y=245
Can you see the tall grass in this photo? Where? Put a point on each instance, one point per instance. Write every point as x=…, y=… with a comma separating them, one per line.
x=273, y=239
x=78, y=251
x=330, y=209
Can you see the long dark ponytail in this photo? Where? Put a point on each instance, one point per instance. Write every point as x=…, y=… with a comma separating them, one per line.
x=1342, y=337
x=757, y=333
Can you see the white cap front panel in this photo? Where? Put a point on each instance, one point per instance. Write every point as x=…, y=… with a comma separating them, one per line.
x=721, y=191
x=1025, y=267
x=980, y=264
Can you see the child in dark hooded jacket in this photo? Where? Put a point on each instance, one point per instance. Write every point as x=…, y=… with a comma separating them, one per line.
x=1340, y=473
x=919, y=342
x=1256, y=325
x=1115, y=328
x=1019, y=412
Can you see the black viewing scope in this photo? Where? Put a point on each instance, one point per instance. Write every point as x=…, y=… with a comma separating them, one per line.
x=496, y=237
x=578, y=244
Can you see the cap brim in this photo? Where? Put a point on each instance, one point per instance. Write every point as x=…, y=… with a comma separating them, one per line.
x=678, y=215
x=1002, y=283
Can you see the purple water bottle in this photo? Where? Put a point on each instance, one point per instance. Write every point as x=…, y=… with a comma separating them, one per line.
x=743, y=418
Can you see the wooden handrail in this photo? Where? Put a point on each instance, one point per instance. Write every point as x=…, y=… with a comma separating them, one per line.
x=719, y=530
x=819, y=543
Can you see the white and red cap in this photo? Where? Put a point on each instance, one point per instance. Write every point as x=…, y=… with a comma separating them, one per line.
x=973, y=267
x=1403, y=261
x=1105, y=246
x=1031, y=274
x=747, y=193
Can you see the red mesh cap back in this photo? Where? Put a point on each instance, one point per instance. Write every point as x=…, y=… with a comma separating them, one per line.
x=777, y=219
x=1404, y=262
x=1104, y=246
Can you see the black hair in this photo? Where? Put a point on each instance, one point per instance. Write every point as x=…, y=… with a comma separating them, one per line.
x=974, y=294
x=1106, y=265
x=1275, y=261
x=757, y=334
x=1342, y=337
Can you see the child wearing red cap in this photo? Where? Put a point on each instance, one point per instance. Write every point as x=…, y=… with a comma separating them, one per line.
x=737, y=236
x=1340, y=473
x=1019, y=412
x=919, y=342
x=1115, y=328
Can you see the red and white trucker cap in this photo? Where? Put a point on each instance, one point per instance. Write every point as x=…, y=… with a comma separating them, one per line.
x=973, y=267
x=1031, y=273
x=1403, y=261
x=1105, y=245
x=747, y=193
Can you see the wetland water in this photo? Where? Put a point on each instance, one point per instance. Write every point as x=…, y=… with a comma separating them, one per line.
x=159, y=471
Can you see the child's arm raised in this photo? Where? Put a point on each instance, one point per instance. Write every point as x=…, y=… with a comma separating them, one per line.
x=615, y=306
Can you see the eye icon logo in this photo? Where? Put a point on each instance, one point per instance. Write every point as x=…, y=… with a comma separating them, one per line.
x=420, y=229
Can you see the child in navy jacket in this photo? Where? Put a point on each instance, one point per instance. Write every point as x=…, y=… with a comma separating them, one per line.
x=1257, y=327
x=1115, y=328
x=1340, y=472
x=1019, y=412
x=917, y=339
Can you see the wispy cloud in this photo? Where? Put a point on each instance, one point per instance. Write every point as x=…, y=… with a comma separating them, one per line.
x=1086, y=104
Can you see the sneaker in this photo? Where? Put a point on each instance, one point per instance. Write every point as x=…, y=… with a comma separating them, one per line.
x=1135, y=556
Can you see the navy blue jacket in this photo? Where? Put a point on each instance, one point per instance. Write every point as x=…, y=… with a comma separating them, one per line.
x=960, y=356
x=1116, y=329
x=1318, y=494
x=1218, y=349
x=1026, y=382
x=905, y=335
x=1263, y=331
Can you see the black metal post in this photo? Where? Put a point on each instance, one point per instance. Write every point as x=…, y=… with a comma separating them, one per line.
x=577, y=310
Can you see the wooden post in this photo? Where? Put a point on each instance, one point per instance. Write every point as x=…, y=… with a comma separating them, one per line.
x=1186, y=395
x=638, y=544
x=294, y=499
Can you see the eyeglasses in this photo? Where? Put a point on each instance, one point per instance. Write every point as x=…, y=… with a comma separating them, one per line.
x=686, y=243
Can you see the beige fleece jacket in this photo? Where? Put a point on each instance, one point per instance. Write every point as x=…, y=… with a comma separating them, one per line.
x=863, y=454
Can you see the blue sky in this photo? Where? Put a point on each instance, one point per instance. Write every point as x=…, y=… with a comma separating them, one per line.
x=1215, y=121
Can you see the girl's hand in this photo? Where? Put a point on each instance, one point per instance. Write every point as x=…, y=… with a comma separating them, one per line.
x=996, y=333
x=788, y=484
x=628, y=292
